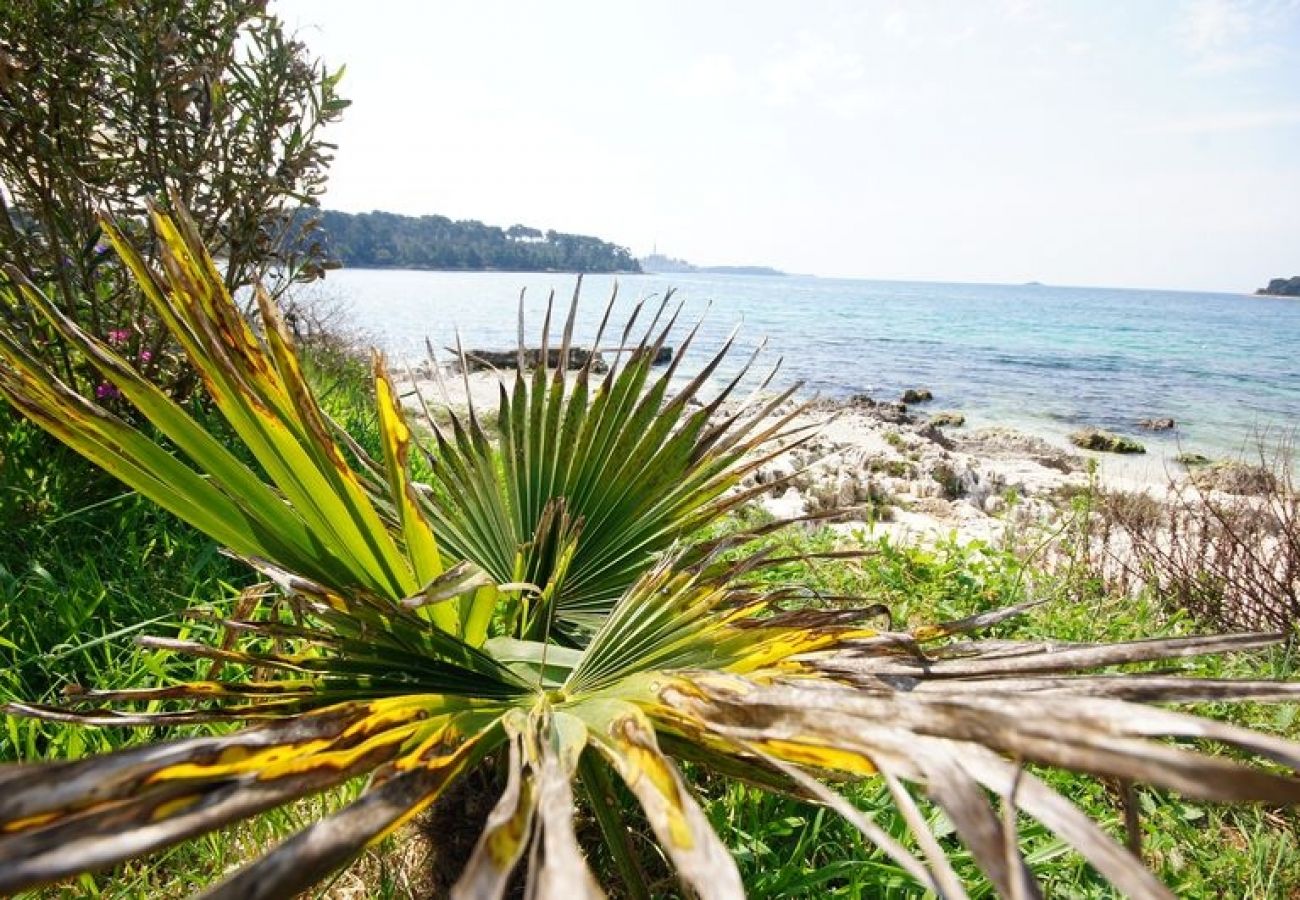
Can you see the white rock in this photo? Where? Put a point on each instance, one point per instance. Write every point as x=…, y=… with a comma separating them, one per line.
x=789, y=505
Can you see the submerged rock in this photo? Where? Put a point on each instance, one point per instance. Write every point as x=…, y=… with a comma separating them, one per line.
x=1105, y=441
x=1165, y=424
x=1191, y=460
x=947, y=419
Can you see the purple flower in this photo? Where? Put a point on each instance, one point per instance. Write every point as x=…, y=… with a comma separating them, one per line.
x=106, y=391
x=146, y=355
x=118, y=335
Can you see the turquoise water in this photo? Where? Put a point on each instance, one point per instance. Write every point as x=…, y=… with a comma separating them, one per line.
x=1044, y=358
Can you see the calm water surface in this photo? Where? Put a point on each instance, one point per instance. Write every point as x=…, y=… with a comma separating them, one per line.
x=1043, y=358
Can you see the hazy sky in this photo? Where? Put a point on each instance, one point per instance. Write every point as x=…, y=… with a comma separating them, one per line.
x=1152, y=143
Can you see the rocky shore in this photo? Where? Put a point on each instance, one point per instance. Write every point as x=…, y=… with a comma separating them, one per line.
x=894, y=471
x=888, y=468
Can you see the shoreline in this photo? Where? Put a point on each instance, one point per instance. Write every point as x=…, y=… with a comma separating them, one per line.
x=893, y=471
x=1036, y=359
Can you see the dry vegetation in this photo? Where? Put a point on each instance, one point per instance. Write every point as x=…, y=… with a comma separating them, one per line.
x=1222, y=544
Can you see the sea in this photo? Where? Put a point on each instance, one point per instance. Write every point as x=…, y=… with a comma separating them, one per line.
x=1040, y=358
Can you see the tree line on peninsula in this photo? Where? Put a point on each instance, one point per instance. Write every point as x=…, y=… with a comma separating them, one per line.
x=387, y=240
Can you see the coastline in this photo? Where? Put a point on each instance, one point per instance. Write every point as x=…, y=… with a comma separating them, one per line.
x=885, y=469
x=1042, y=360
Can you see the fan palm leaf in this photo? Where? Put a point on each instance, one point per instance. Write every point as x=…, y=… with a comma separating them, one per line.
x=541, y=602
x=601, y=477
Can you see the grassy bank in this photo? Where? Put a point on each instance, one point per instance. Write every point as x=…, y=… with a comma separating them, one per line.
x=788, y=848
x=86, y=566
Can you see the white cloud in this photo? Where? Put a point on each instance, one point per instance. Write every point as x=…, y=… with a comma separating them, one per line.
x=815, y=67
x=1024, y=10
x=1229, y=35
x=713, y=77
x=1247, y=120
x=1211, y=25
x=895, y=24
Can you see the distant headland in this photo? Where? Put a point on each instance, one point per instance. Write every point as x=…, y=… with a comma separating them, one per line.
x=1282, y=287
x=659, y=264
x=384, y=240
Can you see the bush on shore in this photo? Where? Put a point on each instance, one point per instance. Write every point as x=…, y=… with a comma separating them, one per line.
x=1223, y=546
x=106, y=105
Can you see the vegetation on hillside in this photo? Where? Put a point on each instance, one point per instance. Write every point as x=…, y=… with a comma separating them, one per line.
x=1282, y=287
x=388, y=240
x=561, y=618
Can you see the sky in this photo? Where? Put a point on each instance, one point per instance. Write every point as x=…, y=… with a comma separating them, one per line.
x=1129, y=144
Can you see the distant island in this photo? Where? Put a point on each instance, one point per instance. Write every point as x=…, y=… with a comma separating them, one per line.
x=659, y=264
x=1282, y=287
x=384, y=240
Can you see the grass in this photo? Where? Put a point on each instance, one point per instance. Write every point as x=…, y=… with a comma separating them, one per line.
x=787, y=848
x=85, y=566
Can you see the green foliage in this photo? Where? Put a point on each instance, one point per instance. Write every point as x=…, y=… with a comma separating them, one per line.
x=385, y=643
x=88, y=565
x=85, y=566
x=388, y=240
x=789, y=848
x=106, y=102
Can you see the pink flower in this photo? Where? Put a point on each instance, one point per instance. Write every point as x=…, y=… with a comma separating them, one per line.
x=118, y=335
x=146, y=355
x=106, y=391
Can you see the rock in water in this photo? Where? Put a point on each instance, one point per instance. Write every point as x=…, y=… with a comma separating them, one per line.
x=1165, y=424
x=478, y=360
x=917, y=395
x=1105, y=441
x=947, y=419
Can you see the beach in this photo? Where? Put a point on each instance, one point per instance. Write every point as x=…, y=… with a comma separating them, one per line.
x=876, y=468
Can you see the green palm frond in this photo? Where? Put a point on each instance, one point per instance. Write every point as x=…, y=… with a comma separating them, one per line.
x=598, y=477
x=542, y=604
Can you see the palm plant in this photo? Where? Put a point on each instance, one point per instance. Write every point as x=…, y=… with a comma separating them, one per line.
x=540, y=603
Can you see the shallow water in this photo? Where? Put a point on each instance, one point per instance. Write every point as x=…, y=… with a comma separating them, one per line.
x=1047, y=359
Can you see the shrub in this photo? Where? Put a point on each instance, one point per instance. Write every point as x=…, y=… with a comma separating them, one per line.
x=103, y=104
x=1230, y=558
